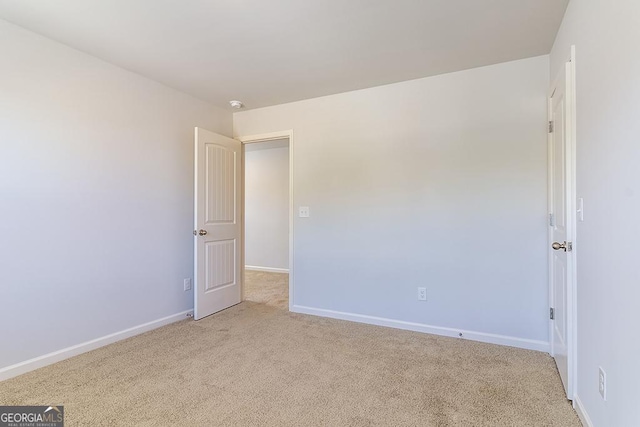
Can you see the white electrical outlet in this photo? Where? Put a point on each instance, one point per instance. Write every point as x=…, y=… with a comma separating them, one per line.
x=422, y=294
x=303, y=212
x=187, y=284
x=602, y=383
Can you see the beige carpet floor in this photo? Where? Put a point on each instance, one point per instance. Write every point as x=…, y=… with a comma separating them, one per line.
x=256, y=364
x=267, y=288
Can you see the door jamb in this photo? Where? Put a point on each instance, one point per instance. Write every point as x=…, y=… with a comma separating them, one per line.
x=570, y=147
x=264, y=137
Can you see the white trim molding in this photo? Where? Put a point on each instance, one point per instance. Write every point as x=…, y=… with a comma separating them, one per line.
x=428, y=329
x=57, y=356
x=266, y=269
x=582, y=413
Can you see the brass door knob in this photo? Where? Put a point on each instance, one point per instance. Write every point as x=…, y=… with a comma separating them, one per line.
x=202, y=232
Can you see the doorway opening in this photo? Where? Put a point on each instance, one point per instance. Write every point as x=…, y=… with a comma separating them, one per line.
x=267, y=219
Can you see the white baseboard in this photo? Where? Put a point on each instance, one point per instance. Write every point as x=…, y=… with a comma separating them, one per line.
x=266, y=269
x=65, y=353
x=582, y=413
x=420, y=327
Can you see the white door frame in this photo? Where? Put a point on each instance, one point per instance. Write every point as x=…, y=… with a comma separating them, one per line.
x=570, y=146
x=264, y=137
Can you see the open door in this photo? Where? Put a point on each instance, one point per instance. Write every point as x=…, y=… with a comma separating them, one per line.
x=561, y=220
x=217, y=230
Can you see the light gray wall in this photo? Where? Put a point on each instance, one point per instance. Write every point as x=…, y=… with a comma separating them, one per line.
x=606, y=36
x=438, y=182
x=96, y=196
x=267, y=207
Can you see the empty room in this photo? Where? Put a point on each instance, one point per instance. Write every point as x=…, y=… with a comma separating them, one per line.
x=319, y=213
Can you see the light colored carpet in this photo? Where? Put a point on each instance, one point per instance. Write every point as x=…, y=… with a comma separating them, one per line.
x=267, y=288
x=256, y=364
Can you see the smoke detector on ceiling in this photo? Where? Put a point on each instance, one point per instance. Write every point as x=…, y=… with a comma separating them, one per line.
x=236, y=104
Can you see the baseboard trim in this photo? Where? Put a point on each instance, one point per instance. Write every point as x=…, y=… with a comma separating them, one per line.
x=266, y=269
x=429, y=329
x=582, y=413
x=57, y=356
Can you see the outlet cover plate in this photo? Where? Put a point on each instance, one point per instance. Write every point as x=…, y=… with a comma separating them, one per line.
x=602, y=383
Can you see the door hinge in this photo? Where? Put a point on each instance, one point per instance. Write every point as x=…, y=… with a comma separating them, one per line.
x=550, y=126
x=551, y=314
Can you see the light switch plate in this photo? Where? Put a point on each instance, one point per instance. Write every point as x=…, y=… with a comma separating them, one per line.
x=580, y=209
x=303, y=211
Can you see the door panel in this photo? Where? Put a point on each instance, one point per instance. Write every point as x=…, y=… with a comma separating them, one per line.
x=220, y=264
x=220, y=195
x=217, y=223
x=560, y=317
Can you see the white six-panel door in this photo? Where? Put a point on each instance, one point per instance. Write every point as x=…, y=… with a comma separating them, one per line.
x=217, y=230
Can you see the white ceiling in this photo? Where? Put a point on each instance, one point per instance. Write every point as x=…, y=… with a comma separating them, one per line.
x=266, y=52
